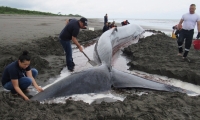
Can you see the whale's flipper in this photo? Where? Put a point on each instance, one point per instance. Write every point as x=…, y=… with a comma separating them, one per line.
x=93, y=80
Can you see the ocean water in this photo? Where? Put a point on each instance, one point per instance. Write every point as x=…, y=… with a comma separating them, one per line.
x=164, y=25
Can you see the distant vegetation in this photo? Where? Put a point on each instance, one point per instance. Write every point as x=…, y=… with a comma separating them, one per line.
x=9, y=10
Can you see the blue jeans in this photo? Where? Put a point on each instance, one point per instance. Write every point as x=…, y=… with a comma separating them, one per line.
x=66, y=44
x=23, y=82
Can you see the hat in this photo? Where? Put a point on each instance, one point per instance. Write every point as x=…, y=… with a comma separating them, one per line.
x=84, y=21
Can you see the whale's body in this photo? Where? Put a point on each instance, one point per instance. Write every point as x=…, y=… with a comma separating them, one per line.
x=113, y=39
x=102, y=77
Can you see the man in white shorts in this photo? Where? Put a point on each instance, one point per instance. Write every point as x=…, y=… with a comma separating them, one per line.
x=189, y=21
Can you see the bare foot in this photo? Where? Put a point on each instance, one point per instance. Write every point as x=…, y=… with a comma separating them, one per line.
x=179, y=54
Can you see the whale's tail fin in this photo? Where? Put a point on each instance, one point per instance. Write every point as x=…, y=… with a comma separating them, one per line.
x=125, y=80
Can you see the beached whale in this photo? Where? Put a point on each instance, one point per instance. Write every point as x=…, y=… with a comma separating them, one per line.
x=103, y=77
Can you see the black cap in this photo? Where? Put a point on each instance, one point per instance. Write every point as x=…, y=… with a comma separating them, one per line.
x=84, y=21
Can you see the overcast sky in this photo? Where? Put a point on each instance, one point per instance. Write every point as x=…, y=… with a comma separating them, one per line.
x=149, y=9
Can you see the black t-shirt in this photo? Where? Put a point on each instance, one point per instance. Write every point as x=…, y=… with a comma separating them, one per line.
x=71, y=29
x=13, y=71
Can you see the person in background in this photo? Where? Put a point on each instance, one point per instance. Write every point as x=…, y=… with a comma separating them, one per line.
x=70, y=32
x=113, y=24
x=105, y=27
x=189, y=21
x=109, y=25
x=176, y=31
x=18, y=76
x=105, y=19
x=125, y=22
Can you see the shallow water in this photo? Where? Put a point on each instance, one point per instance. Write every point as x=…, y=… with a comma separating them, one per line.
x=120, y=63
x=164, y=25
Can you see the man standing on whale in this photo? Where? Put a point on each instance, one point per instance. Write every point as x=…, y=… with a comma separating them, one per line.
x=70, y=32
x=189, y=21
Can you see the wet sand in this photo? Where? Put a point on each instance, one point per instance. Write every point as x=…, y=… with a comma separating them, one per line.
x=157, y=54
x=39, y=35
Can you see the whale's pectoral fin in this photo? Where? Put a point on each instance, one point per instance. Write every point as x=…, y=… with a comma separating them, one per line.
x=125, y=80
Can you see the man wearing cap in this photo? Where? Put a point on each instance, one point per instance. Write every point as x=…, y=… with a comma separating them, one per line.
x=70, y=32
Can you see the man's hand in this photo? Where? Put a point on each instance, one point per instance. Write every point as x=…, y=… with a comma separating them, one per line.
x=26, y=98
x=198, y=35
x=179, y=27
x=39, y=89
x=80, y=48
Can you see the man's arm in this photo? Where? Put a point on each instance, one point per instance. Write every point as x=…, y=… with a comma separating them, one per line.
x=198, y=26
x=17, y=89
x=29, y=74
x=180, y=23
x=77, y=43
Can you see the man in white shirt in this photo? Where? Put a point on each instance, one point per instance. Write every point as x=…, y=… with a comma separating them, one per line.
x=189, y=21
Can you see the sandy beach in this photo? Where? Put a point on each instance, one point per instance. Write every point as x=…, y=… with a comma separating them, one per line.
x=39, y=35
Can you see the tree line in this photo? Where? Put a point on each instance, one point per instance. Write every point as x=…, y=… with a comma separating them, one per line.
x=9, y=10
